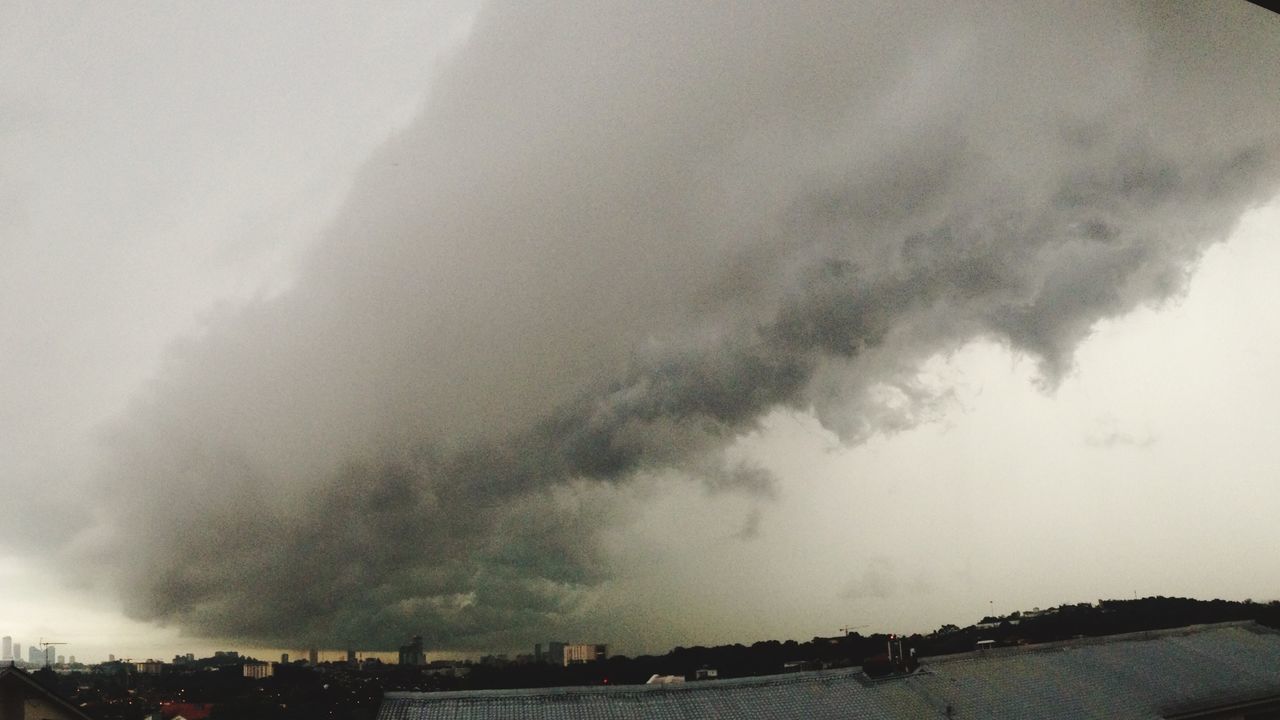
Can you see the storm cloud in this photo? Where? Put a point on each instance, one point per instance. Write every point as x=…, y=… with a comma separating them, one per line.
x=619, y=235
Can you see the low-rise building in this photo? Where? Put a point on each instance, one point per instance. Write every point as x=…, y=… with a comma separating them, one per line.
x=258, y=670
x=149, y=667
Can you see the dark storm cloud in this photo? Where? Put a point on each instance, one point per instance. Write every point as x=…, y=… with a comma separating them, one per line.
x=620, y=235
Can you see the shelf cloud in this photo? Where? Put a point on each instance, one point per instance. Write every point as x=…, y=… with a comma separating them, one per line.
x=620, y=234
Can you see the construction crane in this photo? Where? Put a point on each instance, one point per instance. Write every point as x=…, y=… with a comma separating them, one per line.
x=45, y=647
x=848, y=629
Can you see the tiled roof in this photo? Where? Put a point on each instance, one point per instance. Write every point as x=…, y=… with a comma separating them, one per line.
x=1142, y=675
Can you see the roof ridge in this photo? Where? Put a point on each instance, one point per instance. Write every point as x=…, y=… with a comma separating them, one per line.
x=745, y=681
x=1089, y=640
x=25, y=677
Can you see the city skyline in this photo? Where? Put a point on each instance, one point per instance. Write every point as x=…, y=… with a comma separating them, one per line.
x=11, y=649
x=645, y=324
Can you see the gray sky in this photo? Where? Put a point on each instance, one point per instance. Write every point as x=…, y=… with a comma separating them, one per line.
x=643, y=324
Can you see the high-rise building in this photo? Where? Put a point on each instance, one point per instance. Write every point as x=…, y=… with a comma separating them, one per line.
x=553, y=655
x=284, y=658
x=34, y=656
x=17, y=651
x=111, y=658
x=412, y=653
x=62, y=659
x=313, y=656
x=351, y=657
x=6, y=648
x=558, y=653
x=575, y=653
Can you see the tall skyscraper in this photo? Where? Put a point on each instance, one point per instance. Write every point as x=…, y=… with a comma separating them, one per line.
x=412, y=653
x=554, y=654
x=17, y=651
x=313, y=656
x=6, y=648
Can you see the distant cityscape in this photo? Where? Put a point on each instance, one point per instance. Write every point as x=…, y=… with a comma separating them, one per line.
x=230, y=684
x=39, y=654
x=42, y=654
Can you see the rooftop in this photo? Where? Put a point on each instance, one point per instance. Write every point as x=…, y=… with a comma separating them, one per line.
x=19, y=691
x=1180, y=673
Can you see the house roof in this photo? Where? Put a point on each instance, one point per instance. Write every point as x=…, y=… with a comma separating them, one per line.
x=1142, y=675
x=10, y=674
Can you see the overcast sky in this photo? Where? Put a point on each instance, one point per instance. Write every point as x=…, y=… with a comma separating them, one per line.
x=631, y=323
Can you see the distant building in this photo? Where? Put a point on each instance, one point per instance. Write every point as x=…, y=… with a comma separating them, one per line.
x=6, y=648
x=284, y=658
x=313, y=657
x=1207, y=672
x=584, y=653
x=1037, y=612
x=351, y=657
x=17, y=651
x=412, y=654
x=149, y=667
x=706, y=674
x=565, y=654
x=258, y=670
x=448, y=668
x=553, y=655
